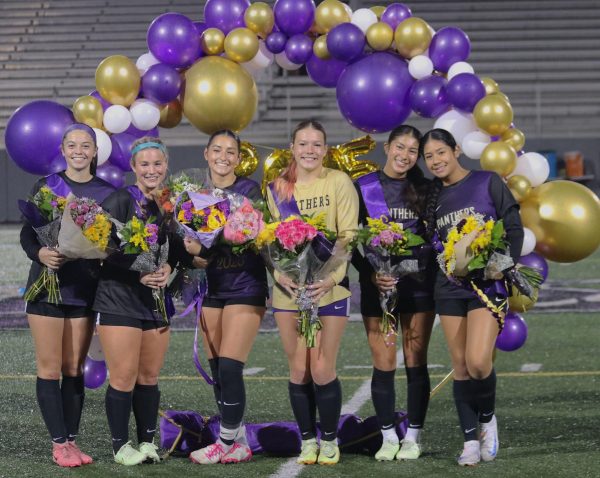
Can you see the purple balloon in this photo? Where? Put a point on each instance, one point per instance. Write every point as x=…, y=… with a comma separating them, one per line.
x=173, y=39
x=34, y=133
x=121, y=150
x=105, y=104
x=346, y=42
x=372, y=93
x=464, y=91
x=275, y=42
x=294, y=16
x=395, y=14
x=535, y=261
x=325, y=73
x=140, y=133
x=225, y=15
x=111, y=174
x=448, y=45
x=428, y=97
x=299, y=49
x=161, y=83
x=514, y=333
x=200, y=27
x=94, y=373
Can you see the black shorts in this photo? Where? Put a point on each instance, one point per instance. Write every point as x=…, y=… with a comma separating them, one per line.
x=457, y=307
x=405, y=304
x=254, y=300
x=61, y=311
x=125, y=321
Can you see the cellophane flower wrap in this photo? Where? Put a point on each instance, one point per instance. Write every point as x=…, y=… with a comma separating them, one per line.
x=389, y=249
x=187, y=180
x=243, y=225
x=307, y=252
x=44, y=211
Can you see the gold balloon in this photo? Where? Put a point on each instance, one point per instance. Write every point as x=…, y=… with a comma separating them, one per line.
x=519, y=186
x=491, y=86
x=249, y=161
x=499, y=157
x=241, y=45
x=88, y=110
x=380, y=36
x=565, y=218
x=518, y=302
x=259, y=18
x=499, y=94
x=170, y=114
x=320, y=48
x=212, y=41
x=412, y=37
x=378, y=10
x=493, y=115
x=118, y=80
x=329, y=14
x=514, y=137
x=219, y=94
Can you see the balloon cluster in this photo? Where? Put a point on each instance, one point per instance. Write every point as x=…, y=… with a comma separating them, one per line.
x=94, y=368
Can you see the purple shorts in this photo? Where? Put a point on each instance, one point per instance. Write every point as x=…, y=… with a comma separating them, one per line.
x=341, y=308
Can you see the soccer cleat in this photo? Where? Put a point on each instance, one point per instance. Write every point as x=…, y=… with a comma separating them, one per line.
x=208, y=455
x=84, y=457
x=64, y=455
x=488, y=440
x=470, y=455
x=410, y=450
x=329, y=454
x=238, y=453
x=150, y=450
x=388, y=451
x=129, y=456
x=308, y=452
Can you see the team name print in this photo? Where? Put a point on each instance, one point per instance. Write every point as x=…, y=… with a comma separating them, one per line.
x=313, y=203
x=400, y=213
x=452, y=217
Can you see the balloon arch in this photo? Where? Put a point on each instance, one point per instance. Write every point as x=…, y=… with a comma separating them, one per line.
x=384, y=63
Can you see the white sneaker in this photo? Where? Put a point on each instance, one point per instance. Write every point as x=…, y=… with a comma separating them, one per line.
x=471, y=454
x=488, y=439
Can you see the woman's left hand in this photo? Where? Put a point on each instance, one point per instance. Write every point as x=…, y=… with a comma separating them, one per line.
x=317, y=290
x=158, y=278
x=192, y=246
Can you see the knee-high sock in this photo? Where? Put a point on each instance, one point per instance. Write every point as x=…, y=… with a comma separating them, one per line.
x=304, y=406
x=465, y=406
x=214, y=368
x=50, y=402
x=118, y=409
x=233, y=395
x=145, y=402
x=418, y=390
x=329, y=403
x=383, y=394
x=485, y=396
x=72, y=391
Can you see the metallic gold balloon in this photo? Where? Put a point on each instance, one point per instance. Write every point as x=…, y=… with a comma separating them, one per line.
x=519, y=186
x=170, y=114
x=565, y=218
x=259, y=18
x=518, y=302
x=241, y=45
x=118, y=80
x=274, y=164
x=320, y=48
x=491, y=86
x=378, y=10
x=493, y=115
x=212, y=41
x=501, y=95
x=88, y=110
x=499, y=157
x=329, y=14
x=249, y=161
x=514, y=137
x=412, y=37
x=380, y=36
x=219, y=94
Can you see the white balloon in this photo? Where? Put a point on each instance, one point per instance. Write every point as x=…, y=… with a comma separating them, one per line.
x=474, y=143
x=116, y=118
x=283, y=61
x=420, y=66
x=534, y=167
x=529, y=241
x=457, y=123
x=458, y=68
x=263, y=58
x=95, y=351
x=145, y=114
x=145, y=61
x=363, y=18
x=104, y=145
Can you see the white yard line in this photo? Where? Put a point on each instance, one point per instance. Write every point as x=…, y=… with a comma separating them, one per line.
x=531, y=367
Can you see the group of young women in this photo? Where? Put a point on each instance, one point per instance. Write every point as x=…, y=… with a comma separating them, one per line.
x=135, y=337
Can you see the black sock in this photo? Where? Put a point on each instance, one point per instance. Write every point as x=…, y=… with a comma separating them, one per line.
x=73, y=395
x=145, y=402
x=485, y=396
x=329, y=403
x=465, y=406
x=50, y=402
x=118, y=409
x=383, y=394
x=233, y=393
x=304, y=406
x=214, y=368
x=418, y=390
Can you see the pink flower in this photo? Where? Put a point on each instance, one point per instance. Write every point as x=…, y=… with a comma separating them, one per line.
x=243, y=225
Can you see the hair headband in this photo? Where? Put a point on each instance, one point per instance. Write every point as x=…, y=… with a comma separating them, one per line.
x=149, y=144
x=80, y=127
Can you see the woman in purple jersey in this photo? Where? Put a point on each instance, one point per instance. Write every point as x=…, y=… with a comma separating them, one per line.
x=398, y=192
x=232, y=309
x=62, y=333
x=469, y=327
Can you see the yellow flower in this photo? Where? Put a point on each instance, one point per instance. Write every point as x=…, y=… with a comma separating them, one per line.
x=317, y=221
x=267, y=235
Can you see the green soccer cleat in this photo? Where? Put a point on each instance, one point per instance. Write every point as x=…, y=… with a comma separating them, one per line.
x=329, y=454
x=309, y=452
x=410, y=450
x=388, y=451
x=129, y=456
x=151, y=452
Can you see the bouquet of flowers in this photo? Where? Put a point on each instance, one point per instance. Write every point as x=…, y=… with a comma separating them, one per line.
x=389, y=249
x=201, y=216
x=243, y=225
x=193, y=180
x=43, y=211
